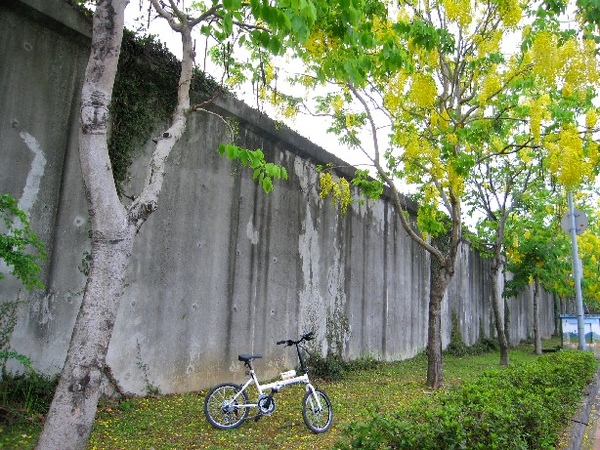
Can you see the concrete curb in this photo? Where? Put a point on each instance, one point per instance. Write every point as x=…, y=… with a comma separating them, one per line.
x=583, y=427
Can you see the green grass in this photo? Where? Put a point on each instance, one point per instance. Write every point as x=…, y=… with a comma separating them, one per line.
x=178, y=422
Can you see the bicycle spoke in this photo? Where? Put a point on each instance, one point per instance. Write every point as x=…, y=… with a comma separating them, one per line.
x=221, y=410
x=317, y=411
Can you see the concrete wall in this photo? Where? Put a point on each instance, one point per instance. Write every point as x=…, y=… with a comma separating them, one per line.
x=220, y=268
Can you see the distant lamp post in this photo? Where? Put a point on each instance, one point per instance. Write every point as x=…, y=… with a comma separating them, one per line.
x=575, y=222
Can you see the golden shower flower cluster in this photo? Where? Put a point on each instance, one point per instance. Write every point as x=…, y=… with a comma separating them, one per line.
x=510, y=12
x=459, y=11
x=538, y=112
x=490, y=85
x=568, y=160
x=423, y=91
x=339, y=191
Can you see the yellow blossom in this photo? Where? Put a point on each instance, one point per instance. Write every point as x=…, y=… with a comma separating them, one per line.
x=337, y=103
x=456, y=182
x=290, y=111
x=545, y=56
x=489, y=43
x=538, y=112
x=591, y=118
x=423, y=91
x=491, y=85
x=339, y=191
x=315, y=43
x=459, y=11
x=526, y=155
x=567, y=159
x=393, y=96
x=412, y=149
x=382, y=29
x=510, y=12
x=269, y=73
x=567, y=90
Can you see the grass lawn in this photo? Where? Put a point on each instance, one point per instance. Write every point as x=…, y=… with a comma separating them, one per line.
x=178, y=422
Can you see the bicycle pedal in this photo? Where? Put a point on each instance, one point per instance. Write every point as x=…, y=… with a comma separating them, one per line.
x=257, y=417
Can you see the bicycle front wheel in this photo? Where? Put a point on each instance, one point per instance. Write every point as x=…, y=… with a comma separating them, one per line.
x=317, y=411
x=222, y=410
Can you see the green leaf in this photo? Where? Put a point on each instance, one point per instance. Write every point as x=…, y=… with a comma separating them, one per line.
x=369, y=187
x=206, y=30
x=267, y=184
x=271, y=169
x=297, y=24
x=16, y=242
x=353, y=73
x=275, y=45
x=244, y=157
x=232, y=151
x=227, y=24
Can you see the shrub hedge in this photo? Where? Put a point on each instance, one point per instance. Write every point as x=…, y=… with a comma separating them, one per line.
x=518, y=407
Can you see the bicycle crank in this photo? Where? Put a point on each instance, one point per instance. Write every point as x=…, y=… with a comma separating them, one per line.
x=266, y=405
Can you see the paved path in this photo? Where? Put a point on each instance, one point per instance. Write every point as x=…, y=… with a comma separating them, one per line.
x=586, y=426
x=591, y=437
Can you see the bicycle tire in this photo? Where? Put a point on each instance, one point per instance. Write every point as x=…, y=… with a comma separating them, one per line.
x=317, y=420
x=220, y=409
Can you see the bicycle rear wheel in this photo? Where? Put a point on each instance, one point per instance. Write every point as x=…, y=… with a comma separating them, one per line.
x=220, y=408
x=317, y=411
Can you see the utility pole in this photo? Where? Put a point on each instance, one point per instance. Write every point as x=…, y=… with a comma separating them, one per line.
x=574, y=223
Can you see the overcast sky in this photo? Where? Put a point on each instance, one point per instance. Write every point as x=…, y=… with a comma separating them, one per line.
x=313, y=128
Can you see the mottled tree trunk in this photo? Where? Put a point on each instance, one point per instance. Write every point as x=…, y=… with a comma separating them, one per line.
x=498, y=309
x=536, y=317
x=441, y=279
x=71, y=416
x=73, y=409
x=114, y=227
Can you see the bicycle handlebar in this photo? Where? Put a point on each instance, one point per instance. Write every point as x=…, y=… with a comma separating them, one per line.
x=308, y=336
x=305, y=337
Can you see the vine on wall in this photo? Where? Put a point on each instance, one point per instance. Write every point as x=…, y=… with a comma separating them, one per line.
x=144, y=95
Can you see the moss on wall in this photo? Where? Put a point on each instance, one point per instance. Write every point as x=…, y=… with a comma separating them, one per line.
x=145, y=95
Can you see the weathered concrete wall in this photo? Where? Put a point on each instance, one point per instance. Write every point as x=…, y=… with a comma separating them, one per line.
x=43, y=50
x=220, y=268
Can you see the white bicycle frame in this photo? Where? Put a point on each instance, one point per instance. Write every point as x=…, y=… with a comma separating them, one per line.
x=276, y=386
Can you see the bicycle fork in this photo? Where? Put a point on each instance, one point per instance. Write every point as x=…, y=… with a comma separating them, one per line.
x=310, y=388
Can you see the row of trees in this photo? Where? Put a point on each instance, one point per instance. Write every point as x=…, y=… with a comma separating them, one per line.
x=486, y=109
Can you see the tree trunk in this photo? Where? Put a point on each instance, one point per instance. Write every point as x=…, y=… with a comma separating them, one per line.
x=71, y=416
x=507, y=322
x=70, y=419
x=557, y=313
x=441, y=279
x=536, y=317
x=498, y=312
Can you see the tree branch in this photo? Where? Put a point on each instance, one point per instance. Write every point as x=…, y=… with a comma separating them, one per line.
x=400, y=204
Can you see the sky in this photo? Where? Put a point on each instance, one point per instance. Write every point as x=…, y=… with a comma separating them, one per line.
x=312, y=128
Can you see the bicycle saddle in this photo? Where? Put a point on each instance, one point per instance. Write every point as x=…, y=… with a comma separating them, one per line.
x=248, y=358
